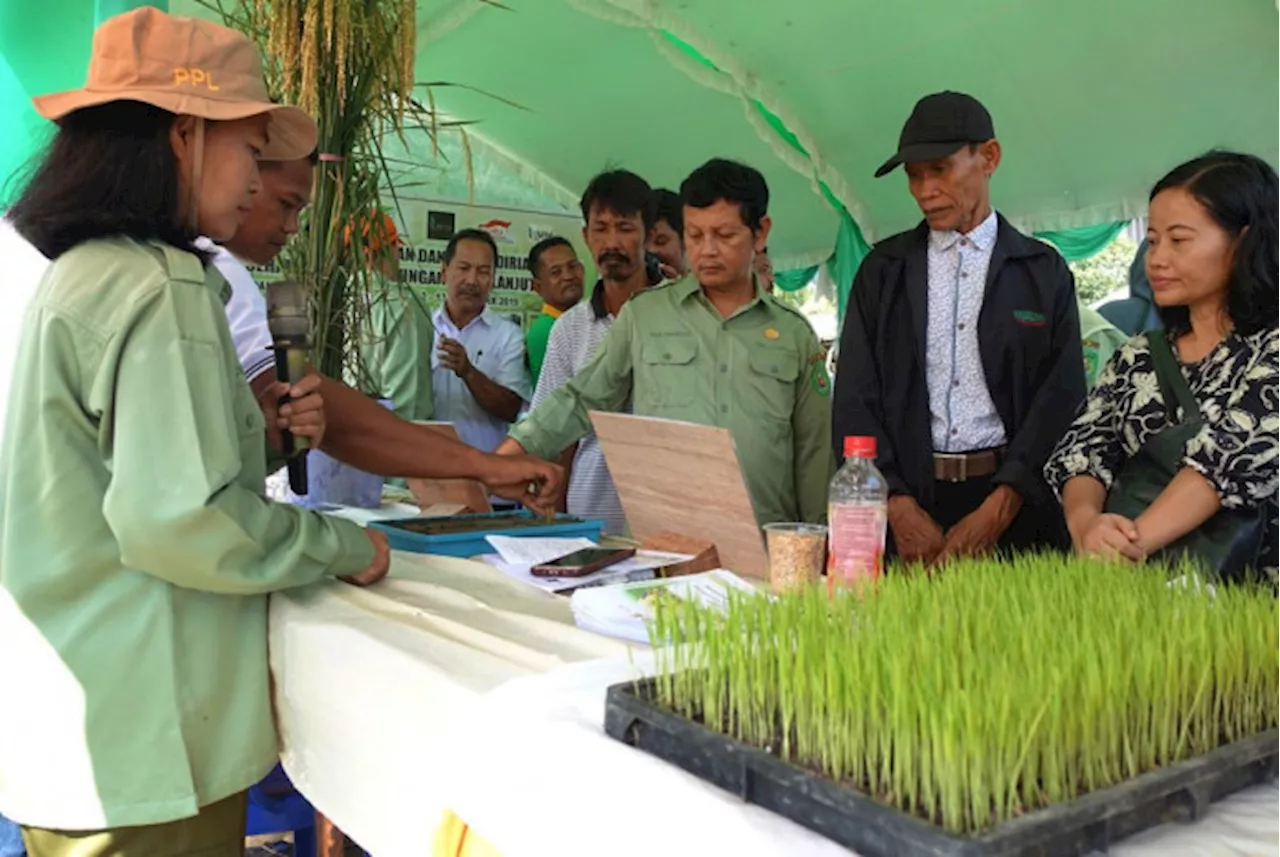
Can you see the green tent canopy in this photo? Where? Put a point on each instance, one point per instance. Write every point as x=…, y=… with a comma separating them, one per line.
x=1093, y=100
x=44, y=48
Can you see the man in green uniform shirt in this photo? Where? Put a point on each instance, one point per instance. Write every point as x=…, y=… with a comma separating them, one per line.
x=1099, y=339
x=398, y=333
x=713, y=348
x=557, y=278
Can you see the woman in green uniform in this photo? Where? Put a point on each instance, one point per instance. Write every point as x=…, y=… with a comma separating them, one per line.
x=136, y=547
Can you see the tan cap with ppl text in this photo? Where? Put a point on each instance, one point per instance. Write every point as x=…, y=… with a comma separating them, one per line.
x=186, y=66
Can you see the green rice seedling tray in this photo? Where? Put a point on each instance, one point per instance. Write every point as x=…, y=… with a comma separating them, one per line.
x=1091, y=822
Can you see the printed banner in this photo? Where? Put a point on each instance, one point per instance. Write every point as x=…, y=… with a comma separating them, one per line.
x=426, y=225
x=430, y=223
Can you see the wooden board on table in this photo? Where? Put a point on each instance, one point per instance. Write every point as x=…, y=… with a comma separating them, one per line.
x=702, y=552
x=467, y=493
x=676, y=477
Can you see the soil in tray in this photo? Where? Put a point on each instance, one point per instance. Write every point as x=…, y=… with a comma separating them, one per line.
x=489, y=523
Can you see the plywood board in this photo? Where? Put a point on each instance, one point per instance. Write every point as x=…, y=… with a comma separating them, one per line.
x=467, y=493
x=676, y=477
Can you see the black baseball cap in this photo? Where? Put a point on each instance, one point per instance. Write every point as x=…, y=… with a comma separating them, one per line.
x=939, y=126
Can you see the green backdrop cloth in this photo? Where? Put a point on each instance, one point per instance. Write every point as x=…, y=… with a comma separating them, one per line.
x=1080, y=243
x=850, y=246
x=44, y=47
x=794, y=280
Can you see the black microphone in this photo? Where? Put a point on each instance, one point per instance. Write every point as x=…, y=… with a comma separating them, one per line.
x=291, y=340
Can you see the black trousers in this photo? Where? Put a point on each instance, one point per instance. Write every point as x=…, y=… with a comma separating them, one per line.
x=1035, y=527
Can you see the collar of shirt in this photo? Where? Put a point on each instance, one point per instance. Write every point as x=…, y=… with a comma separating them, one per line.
x=211, y=246
x=1092, y=321
x=689, y=287
x=598, y=307
x=686, y=288
x=548, y=309
x=445, y=324
x=983, y=236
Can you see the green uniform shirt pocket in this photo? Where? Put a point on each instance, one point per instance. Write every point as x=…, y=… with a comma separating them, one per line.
x=771, y=383
x=667, y=378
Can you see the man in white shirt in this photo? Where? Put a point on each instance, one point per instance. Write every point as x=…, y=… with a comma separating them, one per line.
x=357, y=430
x=478, y=370
x=618, y=211
x=360, y=432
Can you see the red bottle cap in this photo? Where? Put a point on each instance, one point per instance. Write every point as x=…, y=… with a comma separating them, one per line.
x=859, y=447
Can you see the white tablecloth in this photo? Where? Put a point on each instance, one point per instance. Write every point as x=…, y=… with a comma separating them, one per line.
x=451, y=686
x=369, y=683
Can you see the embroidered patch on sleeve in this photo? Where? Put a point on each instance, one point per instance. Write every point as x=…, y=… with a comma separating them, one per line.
x=1090, y=361
x=818, y=376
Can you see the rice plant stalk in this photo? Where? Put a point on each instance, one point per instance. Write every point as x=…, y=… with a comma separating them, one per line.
x=350, y=64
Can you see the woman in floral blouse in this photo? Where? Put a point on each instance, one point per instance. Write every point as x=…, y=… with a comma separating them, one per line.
x=1212, y=265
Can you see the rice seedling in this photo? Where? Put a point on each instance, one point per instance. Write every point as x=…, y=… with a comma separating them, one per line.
x=982, y=692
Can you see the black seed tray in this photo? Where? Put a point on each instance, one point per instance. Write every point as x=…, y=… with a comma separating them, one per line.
x=1091, y=822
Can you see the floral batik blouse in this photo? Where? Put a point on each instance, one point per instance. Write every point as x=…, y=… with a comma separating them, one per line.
x=1236, y=450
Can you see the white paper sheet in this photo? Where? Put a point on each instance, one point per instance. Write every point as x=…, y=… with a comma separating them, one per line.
x=623, y=610
x=525, y=551
x=386, y=512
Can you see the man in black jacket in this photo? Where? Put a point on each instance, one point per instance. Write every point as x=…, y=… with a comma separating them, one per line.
x=960, y=352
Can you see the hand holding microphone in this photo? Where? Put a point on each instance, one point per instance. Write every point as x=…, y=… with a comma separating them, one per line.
x=290, y=328
x=303, y=416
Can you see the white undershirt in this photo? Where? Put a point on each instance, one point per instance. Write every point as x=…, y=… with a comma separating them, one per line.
x=246, y=312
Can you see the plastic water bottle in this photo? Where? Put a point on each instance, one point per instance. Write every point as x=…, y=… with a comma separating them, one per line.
x=857, y=514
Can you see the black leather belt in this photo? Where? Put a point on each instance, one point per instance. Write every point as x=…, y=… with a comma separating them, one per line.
x=962, y=466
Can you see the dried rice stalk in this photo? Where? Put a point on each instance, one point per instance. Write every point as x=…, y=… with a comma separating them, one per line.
x=351, y=64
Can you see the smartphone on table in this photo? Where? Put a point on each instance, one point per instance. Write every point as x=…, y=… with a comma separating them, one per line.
x=582, y=562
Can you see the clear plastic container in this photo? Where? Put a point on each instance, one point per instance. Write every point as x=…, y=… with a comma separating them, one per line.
x=857, y=515
x=797, y=553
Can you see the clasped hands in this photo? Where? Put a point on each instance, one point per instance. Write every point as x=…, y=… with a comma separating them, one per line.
x=1107, y=535
x=919, y=538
